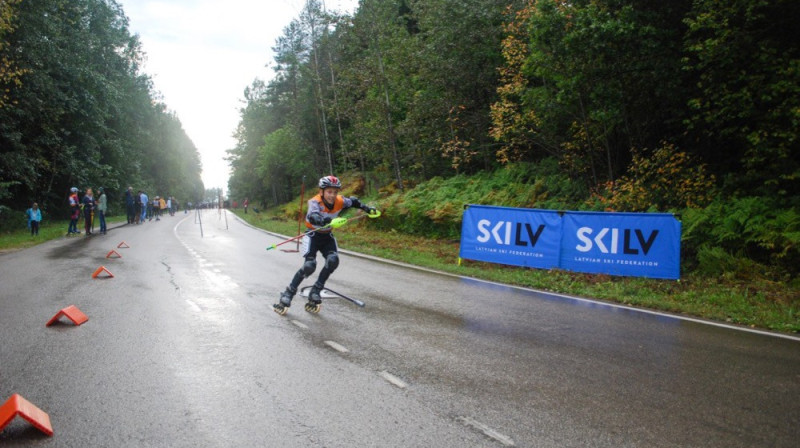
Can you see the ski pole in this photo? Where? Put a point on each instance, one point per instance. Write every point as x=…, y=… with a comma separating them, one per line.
x=293, y=238
x=336, y=223
x=354, y=301
x=300, y=210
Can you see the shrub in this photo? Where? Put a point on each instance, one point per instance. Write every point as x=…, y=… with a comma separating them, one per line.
x=659, y=180
x=434, y=208
x=758, y=229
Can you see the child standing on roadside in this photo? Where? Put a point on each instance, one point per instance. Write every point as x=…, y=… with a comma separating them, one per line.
x=34, y=218
x=74, y=210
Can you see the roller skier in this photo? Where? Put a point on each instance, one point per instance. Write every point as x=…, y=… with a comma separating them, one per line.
x=322, y=217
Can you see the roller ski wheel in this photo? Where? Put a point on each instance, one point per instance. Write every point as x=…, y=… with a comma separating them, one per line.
x=313, y=307
x=280, y=308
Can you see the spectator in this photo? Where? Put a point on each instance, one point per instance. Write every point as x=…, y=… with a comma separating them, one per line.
x=245, y=204
x=145, y=203
x=155, y=209
x=88, y=211
x=102, y=206
x=74, y=211
x=34, y=218
x=162, y=205
x=130, y=205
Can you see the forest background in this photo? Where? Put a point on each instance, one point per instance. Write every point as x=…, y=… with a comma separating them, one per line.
x=76, y=110
x=687, y=106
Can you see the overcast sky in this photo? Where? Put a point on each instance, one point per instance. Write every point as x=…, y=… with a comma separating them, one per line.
x=202, y=54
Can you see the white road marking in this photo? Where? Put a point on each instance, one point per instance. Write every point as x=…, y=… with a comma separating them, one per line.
x=505, y=440
x=300, y=324
x=393, y=379
x=336, y=346
x=194, y=306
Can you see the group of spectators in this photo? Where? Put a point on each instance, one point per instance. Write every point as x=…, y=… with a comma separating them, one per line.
x=88, y=205
x=140, y=207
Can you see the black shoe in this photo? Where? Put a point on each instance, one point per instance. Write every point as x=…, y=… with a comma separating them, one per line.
x=313, y=295
x=284, y=302
x=286, y=298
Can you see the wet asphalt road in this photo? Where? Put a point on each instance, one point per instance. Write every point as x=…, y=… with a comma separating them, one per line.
x=182, y=349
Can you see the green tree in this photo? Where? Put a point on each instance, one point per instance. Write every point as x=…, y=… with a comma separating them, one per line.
x=9, y=73
x=83, y=114
x=586, y=81
x=744, y=57
x=459, y=50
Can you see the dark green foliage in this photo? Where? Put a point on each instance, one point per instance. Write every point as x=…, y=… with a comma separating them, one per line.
x=435, y=207
x=737, y=234
x=82, y=114
x=744, y=59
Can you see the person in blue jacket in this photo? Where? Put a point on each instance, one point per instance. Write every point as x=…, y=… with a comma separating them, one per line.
x=34, y=215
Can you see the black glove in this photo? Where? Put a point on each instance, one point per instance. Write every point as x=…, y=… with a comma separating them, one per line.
x=358, y=204
x=316, y=219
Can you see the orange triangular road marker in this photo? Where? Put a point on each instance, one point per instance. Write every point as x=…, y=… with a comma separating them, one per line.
x=16, y=405
x=72, y=312
x=123, y=244
x=101, y=269
x=108, y=255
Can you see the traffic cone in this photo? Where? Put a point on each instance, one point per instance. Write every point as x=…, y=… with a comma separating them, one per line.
x=72, y=312
x=108, y=255
x=101, y=269
x=16, y=405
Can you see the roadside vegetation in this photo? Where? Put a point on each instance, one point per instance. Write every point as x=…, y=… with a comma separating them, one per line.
x=16, y=236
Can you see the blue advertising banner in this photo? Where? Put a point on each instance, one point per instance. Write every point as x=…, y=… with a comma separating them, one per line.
x=515, y=236
x=633, y=244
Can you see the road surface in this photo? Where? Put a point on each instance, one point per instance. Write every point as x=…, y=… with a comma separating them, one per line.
x=182, y=349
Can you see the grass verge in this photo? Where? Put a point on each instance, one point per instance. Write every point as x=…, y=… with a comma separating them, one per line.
x=21, y=238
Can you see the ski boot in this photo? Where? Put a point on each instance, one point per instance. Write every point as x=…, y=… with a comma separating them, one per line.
x=282, y=307
x=314, y=300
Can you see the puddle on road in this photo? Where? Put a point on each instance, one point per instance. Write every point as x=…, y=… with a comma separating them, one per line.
x=73, y=247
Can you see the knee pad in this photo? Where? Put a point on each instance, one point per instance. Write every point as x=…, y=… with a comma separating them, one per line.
x=309, y=267
x=332, y=262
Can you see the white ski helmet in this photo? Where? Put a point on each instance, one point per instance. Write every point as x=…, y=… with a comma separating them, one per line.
x=330, y=182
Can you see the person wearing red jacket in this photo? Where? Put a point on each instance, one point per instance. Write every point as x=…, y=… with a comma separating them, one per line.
x=74, y=211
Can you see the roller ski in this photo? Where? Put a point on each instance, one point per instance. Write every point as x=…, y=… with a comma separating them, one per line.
x=327, y=293
x=282, y=307
x=314, y=301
